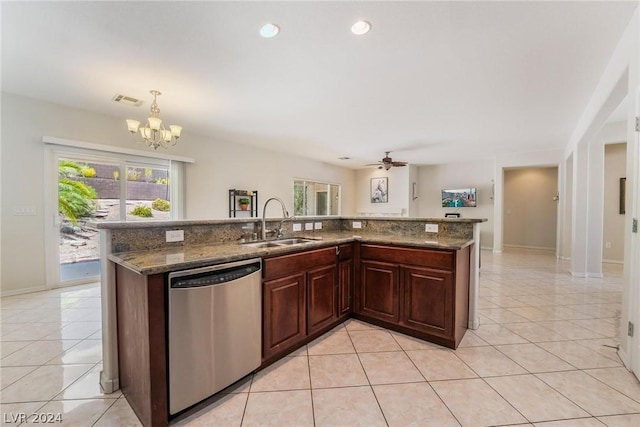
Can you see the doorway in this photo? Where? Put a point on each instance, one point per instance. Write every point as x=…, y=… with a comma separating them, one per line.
x=530, y=207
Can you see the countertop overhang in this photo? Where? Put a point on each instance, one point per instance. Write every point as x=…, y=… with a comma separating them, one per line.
x=192, y=256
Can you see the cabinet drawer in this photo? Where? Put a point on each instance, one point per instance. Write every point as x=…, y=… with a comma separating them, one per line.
x=303, y=261
x=422, y=257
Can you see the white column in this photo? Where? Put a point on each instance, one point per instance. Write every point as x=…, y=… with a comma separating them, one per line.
x=595, y=208
x=474, y=278
x=109, y=377
x=580, y=212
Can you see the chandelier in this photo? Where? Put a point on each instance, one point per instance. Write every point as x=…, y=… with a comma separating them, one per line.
x=153, y=132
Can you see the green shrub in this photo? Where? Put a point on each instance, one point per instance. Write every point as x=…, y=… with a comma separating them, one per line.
x=88, y=172
x=161, y=205
x=162, y=181
x=75, y=199
x=133, y=174
x=142, y=211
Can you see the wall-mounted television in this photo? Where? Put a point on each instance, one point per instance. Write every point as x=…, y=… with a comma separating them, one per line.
x=459, y=198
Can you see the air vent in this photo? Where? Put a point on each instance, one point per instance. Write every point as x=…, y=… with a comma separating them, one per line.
x=127, y=100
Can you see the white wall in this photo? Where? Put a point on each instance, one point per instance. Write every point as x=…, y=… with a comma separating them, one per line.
x=615, y=166
x=219, y=166
x=479, y=174
x=399, y=192
x=530, y=213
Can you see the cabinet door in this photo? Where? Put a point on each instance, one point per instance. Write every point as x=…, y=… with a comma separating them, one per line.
x=428, y=300
x=345, y=287
x=322, y=297
x=379, y=290
x=284, y=312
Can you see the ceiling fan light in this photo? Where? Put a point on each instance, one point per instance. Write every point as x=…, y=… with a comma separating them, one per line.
x=387, y=166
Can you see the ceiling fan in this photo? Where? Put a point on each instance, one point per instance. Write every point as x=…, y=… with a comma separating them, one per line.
x=387, y=162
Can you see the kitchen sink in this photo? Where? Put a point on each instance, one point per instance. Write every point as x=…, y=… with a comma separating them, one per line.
x=297, y=241
x=278, y=243
x=261, y=245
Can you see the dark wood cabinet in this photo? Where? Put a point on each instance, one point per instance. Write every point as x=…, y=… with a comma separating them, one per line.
x=323, y=290
x=379, y=289
x=345, y=287
x=142, y=356
x=345, y=280
x=428, y=300
x=300, y=299
x=284, y=313
x=421, y=292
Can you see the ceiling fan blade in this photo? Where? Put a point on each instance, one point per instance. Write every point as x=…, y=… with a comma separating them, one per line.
x=374, y=164
x=399, y=163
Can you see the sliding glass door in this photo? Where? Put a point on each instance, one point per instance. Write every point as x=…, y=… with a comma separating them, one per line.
x=89, y=187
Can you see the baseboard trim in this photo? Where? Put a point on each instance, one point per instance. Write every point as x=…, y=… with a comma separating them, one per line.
x=474, y=324
x=23, y=291
x=109, y=386
x=612, y=261
x=582, y=275
x=537, y=248
x=497, y=251
x=564, y=258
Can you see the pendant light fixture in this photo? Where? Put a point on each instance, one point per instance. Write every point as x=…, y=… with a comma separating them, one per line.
x=153, y=133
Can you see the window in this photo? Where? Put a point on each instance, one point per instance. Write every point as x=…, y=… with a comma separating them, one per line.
x=315, y=198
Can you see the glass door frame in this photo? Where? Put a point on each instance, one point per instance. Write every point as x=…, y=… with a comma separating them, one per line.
x=53, y=155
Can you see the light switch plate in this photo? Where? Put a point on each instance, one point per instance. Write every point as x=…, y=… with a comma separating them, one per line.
x=175, y=236
x=308, y=226
x=24, y=210
x=356, y=224
x=297, y=226
x=317, y=226
x=431, y=228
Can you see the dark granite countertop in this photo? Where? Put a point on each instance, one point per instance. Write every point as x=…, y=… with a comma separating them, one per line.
x=172, y=259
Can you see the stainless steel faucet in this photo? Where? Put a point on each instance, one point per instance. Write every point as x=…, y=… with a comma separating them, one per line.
x=285, y=215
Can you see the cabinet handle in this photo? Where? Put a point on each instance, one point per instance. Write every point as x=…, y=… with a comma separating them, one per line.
x=337, y=250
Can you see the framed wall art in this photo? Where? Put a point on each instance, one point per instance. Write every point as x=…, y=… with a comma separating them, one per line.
x=623, y=190
x=380, y=190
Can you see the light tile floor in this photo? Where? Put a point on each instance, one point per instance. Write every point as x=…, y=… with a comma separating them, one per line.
x=544, y=356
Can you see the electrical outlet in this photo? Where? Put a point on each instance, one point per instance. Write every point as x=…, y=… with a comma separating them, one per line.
x=317, y=226
x=174, y=258
x=431, y=228
x=607, y=245
x=297, y=226
x=308, y=226
x=174, y=236
x=356, y=224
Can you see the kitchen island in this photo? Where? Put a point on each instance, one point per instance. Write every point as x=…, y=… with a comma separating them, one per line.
x=389, y=272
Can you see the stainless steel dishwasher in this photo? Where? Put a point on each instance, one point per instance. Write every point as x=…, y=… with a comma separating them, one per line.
x=215, y=337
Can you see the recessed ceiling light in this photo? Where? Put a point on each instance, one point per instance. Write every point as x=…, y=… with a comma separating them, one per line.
x=360, y=28
x=269, y=30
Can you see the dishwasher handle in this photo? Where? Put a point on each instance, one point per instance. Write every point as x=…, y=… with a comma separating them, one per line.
x=214, y=275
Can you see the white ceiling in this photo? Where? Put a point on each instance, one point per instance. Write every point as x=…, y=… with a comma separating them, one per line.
x=434, y=82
